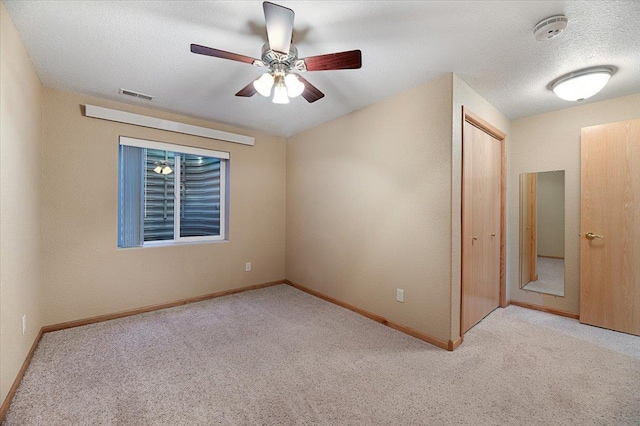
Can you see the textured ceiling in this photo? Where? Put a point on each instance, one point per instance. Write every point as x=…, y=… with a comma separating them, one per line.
x=98, y=47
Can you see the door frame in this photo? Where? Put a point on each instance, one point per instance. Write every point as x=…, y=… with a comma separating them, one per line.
x=476, y=121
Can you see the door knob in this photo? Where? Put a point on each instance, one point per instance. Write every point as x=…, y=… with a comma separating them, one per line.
x=592, y=236
x=475, y=238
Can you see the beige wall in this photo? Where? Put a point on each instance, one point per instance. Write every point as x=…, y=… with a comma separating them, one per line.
x=86, y=274
x=551, y=141
x=368, y=208
x=550, y=213
x=20, y=144
x=463, y=95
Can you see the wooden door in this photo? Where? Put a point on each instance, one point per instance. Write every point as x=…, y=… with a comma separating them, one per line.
x=481, y=245
x=610, y=209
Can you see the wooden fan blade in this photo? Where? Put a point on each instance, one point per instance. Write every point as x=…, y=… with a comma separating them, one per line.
x=351, y=59
x=279, y=23
x=247, y=91
x=217, y=53
x=311, y=93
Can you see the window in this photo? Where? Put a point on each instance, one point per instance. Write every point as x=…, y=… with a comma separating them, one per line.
x=170, y=194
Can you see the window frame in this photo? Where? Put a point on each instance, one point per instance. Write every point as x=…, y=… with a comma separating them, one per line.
x=179, y=150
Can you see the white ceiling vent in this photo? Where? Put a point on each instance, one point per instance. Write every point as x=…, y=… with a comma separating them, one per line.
x=136, y=94
x=550, y=27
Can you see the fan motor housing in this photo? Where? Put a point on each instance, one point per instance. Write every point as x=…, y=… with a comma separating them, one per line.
x=270, y=56
x=550, y=27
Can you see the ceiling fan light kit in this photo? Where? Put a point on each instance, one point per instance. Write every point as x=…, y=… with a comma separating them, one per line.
x=582, y=84
x=287, y=85
x=280, y=56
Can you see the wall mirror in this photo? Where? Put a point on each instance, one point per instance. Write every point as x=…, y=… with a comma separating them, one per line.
x=542, y=232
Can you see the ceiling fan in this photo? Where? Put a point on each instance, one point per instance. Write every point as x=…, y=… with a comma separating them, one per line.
x=280, y=56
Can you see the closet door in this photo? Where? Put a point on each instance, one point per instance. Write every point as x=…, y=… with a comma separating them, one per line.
x=481, y=225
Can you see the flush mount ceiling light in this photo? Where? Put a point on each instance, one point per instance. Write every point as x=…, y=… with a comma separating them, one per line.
x=162, y=168
x=582, y=84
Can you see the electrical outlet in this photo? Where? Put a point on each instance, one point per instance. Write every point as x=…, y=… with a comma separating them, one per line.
x=24, y=324
x=247, y=266
x=400, y=295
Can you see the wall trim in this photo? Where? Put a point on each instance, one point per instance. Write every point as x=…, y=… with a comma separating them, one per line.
x=108, y=317
x=545, y=309
x=168, y=125
x=482, y=124
x=453, y=344
x=14, y=387
x=448, y=345
x=150, y=308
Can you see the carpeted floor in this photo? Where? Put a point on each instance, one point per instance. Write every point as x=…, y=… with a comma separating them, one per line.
x=280, y=356
x=550, y=277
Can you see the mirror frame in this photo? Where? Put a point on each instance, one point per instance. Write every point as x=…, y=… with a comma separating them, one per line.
x=528, y=214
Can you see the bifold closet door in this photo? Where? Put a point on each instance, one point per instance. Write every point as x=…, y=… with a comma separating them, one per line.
x=481, y=225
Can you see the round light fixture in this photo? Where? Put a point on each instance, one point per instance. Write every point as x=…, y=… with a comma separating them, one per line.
x=582, y=84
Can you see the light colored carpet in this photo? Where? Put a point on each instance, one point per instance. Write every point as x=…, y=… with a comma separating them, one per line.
x=280, y=356
x=550, y=277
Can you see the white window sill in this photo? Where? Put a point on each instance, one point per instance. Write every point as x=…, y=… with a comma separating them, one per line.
x=173, y=244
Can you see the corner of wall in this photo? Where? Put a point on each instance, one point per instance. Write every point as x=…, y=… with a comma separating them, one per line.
x=20, y=190
x=388, y=189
